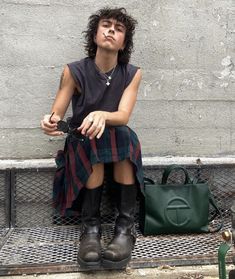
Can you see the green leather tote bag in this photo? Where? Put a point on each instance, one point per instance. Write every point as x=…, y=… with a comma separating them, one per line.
x=177, y=208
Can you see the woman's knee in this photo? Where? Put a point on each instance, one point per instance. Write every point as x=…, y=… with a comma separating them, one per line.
x=124, y=172
x=97, y=176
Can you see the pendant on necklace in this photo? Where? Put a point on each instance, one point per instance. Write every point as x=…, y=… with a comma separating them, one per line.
x=108, y=80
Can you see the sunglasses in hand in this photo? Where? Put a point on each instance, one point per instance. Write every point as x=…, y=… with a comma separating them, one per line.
x=64, y=127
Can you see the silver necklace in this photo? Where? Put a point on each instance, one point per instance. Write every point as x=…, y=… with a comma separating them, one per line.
x=108, y=77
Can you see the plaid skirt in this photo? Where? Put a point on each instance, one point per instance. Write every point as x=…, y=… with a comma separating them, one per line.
x=74, y=163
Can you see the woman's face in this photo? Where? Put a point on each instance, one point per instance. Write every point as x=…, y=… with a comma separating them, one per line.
x=110, y=35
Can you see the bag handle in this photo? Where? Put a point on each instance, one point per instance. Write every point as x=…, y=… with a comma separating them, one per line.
x=170, y=168
x=217, y=212
x=147, y=181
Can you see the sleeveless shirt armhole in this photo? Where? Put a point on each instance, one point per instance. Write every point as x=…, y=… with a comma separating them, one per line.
x=131, y=71
x=75, y=74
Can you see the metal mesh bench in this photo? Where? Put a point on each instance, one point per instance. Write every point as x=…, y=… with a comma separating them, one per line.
x=33, y=239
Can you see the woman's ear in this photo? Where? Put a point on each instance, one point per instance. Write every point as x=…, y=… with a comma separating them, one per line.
x=95, y=38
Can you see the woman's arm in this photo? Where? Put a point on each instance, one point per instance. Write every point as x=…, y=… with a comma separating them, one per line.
x=127, y=103
x=60, y=105
x=94, y=124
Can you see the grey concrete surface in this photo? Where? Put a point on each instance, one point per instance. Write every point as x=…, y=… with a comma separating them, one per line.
x=147, y=161
x=164, y=272
x=186, y=51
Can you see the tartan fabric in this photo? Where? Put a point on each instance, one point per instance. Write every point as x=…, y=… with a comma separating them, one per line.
x=74, y=163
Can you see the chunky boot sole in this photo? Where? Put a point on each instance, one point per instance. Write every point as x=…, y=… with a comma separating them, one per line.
x=89, y=265
x=116, y=265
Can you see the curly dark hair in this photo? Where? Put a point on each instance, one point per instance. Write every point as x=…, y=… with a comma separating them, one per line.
x=119, y=14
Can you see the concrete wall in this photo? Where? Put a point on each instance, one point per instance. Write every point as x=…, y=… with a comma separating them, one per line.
x=186, y=48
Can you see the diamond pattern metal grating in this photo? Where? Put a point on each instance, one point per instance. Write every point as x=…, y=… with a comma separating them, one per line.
x=40, y=241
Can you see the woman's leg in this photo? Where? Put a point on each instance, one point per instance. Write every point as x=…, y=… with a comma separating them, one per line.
x=118, y=252
x=89, y=254
x=123, y=172
x=97, y=176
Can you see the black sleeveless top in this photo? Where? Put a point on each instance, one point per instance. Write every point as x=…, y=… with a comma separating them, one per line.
x=95, y=94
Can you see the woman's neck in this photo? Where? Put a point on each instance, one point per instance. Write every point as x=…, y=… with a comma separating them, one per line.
x=106, y=61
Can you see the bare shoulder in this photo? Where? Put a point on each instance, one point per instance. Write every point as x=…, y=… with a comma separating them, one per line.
x=67, y=73
x=138, y=74
x=137, y=78
x=66, y=78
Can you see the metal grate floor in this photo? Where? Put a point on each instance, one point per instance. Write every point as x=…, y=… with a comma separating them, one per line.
x=27, y=250
x=39, y=241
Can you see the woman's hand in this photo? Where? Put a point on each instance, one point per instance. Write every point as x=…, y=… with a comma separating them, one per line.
x=93, y=124
x=49, y=125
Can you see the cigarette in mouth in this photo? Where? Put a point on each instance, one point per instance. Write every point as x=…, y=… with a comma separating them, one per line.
x=105, y=35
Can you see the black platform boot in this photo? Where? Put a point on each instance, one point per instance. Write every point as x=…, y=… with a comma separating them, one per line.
x=89, y=254
x=118, y=252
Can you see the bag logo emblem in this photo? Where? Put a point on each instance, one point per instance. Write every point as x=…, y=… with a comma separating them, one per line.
x=178, y=211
